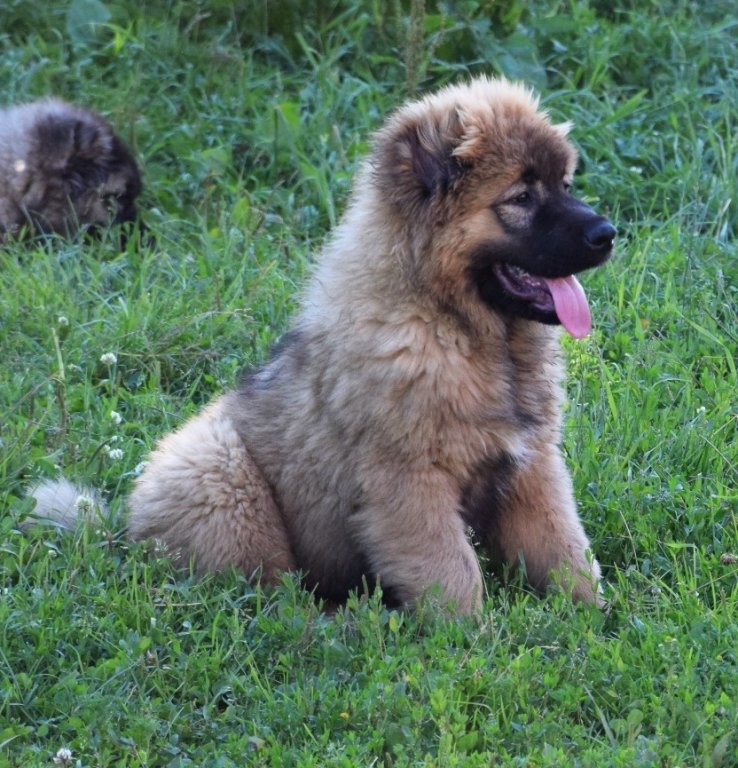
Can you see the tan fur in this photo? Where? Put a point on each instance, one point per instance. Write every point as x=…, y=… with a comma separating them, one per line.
x=401, y=408
x=230, y=518
x=61, y=168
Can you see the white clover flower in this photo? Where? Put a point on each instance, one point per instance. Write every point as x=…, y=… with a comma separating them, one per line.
x=108, y=358
x=115, y=417
x=84, y=504
x=63, y=757
x=62, y=327
x=115, y=453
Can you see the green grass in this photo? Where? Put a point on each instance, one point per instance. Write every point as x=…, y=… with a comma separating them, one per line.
x=249, y=122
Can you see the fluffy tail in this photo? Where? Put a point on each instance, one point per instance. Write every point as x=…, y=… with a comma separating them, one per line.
x=61, y=503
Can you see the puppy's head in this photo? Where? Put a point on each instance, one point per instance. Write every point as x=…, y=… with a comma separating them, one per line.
x=486, y=173
x=88, y=175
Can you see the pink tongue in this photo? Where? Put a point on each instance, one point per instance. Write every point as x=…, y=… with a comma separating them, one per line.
x=571, y=305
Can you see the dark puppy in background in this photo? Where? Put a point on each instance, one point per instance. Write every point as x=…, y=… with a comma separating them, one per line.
x=62, y=168
x=419, y=392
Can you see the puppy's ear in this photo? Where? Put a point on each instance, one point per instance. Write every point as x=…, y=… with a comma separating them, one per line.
x=414, y=160
x=91, y=141
x=70, y=143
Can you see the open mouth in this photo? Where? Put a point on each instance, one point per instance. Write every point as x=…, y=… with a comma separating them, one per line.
x=563, y=297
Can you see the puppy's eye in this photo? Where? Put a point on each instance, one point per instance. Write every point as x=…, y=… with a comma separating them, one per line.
x=522, y=199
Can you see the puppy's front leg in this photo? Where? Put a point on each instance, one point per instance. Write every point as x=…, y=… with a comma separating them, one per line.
x=415, y=538
x=539, y=521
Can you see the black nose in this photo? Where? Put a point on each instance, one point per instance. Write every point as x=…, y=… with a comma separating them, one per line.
x=600, y=234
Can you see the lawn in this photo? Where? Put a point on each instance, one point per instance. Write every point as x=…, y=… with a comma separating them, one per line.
x=249, y=120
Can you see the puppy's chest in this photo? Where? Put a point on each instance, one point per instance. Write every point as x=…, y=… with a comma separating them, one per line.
x=498, y=431
x=497, y=438
x=536, y=373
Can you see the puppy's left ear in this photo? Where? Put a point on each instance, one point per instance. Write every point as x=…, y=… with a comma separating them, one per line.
x=413, y=159
x=90, y=141
x=69, y=140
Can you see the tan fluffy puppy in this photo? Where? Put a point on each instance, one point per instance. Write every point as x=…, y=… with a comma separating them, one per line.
x=419, y=393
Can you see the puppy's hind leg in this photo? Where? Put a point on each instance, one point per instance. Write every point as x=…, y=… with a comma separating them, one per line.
x=204, y=498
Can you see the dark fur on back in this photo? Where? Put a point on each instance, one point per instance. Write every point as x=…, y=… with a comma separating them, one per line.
x=63, y=167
